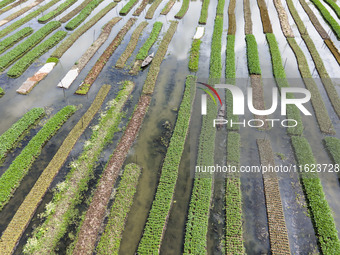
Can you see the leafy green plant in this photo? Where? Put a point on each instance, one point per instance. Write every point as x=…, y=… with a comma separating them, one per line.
x=84, y=13
x=52, y=60
x=64, y=6
x=63, y=47
x=194, y=55
x=17, y=131
x=252, y=55
x=126, y=8
x=216, y=47
x=334, y=6
x=321, y=213
x=11, y=179
x=220, y=8
x=13, y=39
x=28, y=44
x=204, y=12
x=332, y=145
x=69, y=193
x=27, y=18
x=110, y=240
x=153, y=231
x=2, y=92
x=20, y=66
x=184, y=8
x=143, y=52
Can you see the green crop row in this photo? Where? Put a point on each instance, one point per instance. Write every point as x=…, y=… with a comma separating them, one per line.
x=27, y=209
x=143, y=52
x=110, y=240
x=198, y=216
x=204, y=12
x=83, y=14
x=234, y=230
x=75, y=11
x=168, y=7
x=84, y=88
x=230, y=74
x=27, y=18
x=220, y=8
x=11, y=179
x=321, y=213
x=194, y=55
x=149, y=14
x=28, y=44
x=328, y=18
x=17, y=131
x=334, y=6
x=5, y=2
x=64, y=6
x=152, y=75
x=20, y=67
x=156, y=223
x=125, y=10
x=132, y=45
x=252, y=55
x=2, y=92
x=9, y=7
x=332, y=145
x=63, y=47
x=13, y=39
x=69, y=192
x=280, y=77
x=215, y=69
x=184, y=8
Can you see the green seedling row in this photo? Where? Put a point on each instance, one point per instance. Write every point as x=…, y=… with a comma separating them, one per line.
x=16, y=132
x=5, y=2
x=156, y=223
x=144, y=50
x=216, y=47
x=11, y=179
x=194, y=55
x=69, y=193
x=252, y=55
x=334, y=6
x=110, y=240
x=13, y=39
x=20, y=66
x=63, y=47
x=332, y=145
x=61, y=8
x=168, y=7
x=83, y=14
x=321, y=214
x=16, y=53
x=151, y=11
x=204, y=12
x=125, y=10
x=184, y=8
x=27, y=18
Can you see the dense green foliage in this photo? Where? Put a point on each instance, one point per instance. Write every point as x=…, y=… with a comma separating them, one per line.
x=328, y=18
x=143, y=52
x=11, y=137
x=153, y=230
x=252, y=55
x=84, y=13
x=204, y=12
x=20, y=67
x=321, y=213
x=27, y=18
x=194, y=55
x=2, y=92
x=69, y=193
x=10, y=180
x=220, y=8
x=28, y=44
x=5, y=2
x=184, y=8
x=334, y=6
x=126, y=8
x=110, y=240
x=63, y=47
x=64, y=6
x=333, y=147
x=198, y=215
x=13, y=39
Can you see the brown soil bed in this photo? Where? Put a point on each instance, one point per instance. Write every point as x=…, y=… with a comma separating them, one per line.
x=283, y=17
x=267, y=26
x=248, y=24
x=168, y=7
x=141, y=8
x=333, y=49
x=97, y=209
x=231, y=18
x=258, y=99
x=136, y=67
x=279, y=242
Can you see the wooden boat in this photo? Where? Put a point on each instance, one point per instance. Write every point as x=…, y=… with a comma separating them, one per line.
x=148, y=60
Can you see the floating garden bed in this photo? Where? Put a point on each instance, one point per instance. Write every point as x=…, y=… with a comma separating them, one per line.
x=183, y=10
x=168, y=7
x=129, y=5
x=266, y=24
x=9, y=7
x=194, y=55
x=140, y=8
x=13, y=39
x=248, y=24
x=252, y=55
x=61, y=8
x=75, y=11
x=204, y=12
x=152, y=9
x=24, y=214
x=332, y=145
